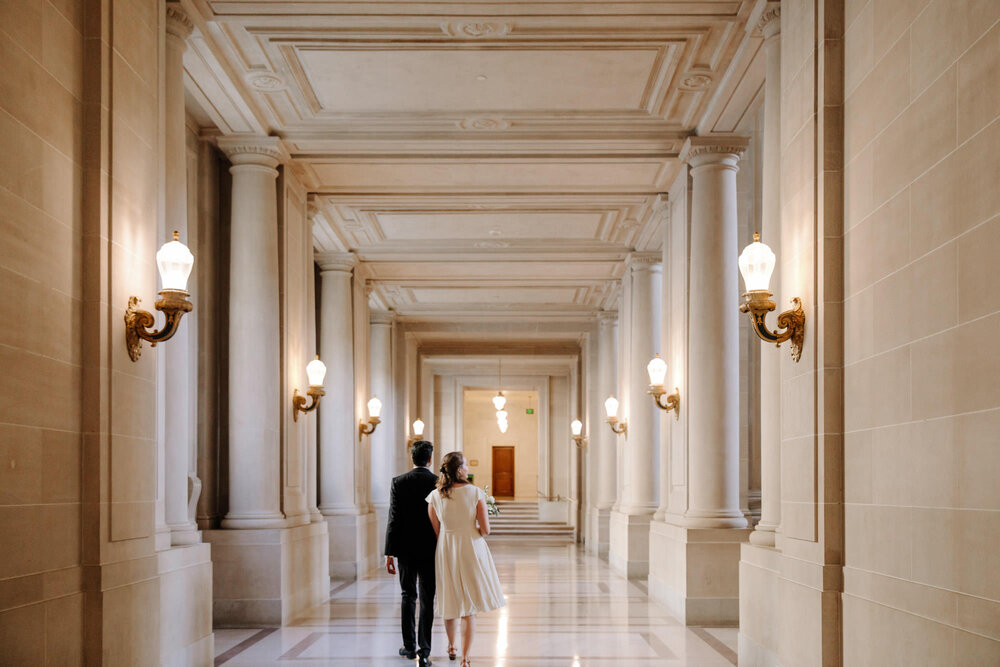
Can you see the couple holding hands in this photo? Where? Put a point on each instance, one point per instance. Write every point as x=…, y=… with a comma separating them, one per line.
x=435, y=532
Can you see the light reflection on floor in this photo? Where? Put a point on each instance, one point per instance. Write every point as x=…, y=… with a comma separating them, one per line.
x=564, y=608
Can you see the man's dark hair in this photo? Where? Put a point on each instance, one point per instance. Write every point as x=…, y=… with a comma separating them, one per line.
x=421, y=452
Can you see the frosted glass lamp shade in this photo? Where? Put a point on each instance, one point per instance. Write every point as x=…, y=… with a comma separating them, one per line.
x=374, y=407
x=576, y=427
x=175, y=262
x=418, y=428
x=503, y=426
x=316, y=372
x=611, y=406
x=657, y=369
x=756, y=265
x=502, y=415
x=499, y=401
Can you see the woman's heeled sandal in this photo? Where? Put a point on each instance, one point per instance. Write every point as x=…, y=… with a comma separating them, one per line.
x=466, y=662
x=452, y=653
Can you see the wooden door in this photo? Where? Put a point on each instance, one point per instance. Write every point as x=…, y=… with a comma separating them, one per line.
x=503, y=472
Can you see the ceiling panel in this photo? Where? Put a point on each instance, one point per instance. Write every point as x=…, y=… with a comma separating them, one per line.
x=478, y=80
x=490, y=225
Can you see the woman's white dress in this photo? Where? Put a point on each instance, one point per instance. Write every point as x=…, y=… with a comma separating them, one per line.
x=466, y=578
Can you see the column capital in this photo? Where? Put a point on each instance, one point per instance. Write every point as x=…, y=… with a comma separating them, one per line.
x=336, y=261
x=661, y=206
x=768, y=21
x=644, y=261
x=252, y=149
x=607, y=318
x=178, y=23
x=382, y=317
x=724, y=149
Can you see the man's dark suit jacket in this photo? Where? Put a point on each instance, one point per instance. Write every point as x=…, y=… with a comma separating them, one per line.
x=409, y=533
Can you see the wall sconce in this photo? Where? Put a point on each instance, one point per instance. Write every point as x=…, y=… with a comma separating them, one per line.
x=374, y=410
x=418, y=431
x=576, y=426
x=756, y=264
x=657, y=369
x=315, y=371
x=174, y=261
x=611, y=407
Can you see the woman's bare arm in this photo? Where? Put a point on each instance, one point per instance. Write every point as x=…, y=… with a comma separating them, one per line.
x=483, y=517
x=434, y=519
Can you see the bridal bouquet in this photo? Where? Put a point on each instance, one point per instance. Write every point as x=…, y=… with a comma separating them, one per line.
x=491, y=503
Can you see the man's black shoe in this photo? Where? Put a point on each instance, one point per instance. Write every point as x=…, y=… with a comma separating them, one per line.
x=409, y=655
x=423, y=662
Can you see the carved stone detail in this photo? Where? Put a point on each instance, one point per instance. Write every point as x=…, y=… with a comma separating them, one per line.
x=492, y=244
x=484, y=124
x=644, y=260
x=336, y=261
x=178, y=23
x=769, y=22
x=696, y=81
x=266, y=82
x=476, y=29
x=250, y=149
x=711, y=145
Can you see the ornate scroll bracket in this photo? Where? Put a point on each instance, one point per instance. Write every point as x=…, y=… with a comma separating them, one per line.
x=791, y=323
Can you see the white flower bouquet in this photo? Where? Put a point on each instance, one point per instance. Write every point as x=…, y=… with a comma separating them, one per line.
x=491, y=503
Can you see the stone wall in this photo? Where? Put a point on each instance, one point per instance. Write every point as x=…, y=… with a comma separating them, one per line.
x=922, y=321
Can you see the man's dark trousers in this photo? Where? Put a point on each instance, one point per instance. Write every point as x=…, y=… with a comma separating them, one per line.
x=417, y=574
x=409, y=536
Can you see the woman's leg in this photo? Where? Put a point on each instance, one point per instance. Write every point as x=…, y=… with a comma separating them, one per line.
x=468, y=630
x=450, y=626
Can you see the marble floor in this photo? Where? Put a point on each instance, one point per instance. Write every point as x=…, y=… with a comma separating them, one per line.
x=564, y=607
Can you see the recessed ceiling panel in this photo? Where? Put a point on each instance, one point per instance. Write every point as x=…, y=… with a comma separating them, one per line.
x=478, y=80
x=489, y=225
x=487, y=295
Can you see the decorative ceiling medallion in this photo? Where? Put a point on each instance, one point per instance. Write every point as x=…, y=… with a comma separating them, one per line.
x=492, y=244
x=483, y=124
x=267, y=82
x=695, y=81
x=476, y=29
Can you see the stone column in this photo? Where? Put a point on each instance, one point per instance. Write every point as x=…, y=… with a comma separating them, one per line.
x=662, y=209
x=180, y=383
x=312, y=437
x=337, y=431
x=713, y=401
x=254, y=341
x=629, y=522
x=383, y=441
x=770, y=363
x=602, y=437
x=642, y=487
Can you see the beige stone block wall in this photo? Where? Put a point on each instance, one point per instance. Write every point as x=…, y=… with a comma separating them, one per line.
x=922, y=321
x=41, y=305
x=480, y=434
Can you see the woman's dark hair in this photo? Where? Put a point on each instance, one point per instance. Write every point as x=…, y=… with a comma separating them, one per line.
x=450, y=474
x=421, y=452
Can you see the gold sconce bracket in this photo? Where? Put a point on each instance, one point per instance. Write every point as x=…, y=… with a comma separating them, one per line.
x=580, y=440
x=172, y=303
x=299, y=401
x=791, y=323
x=368, y=427
x=618, y=427
x=673, y=400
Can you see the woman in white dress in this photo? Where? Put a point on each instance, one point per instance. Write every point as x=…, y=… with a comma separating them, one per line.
x=466, y=579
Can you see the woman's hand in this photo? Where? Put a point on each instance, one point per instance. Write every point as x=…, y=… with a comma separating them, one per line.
x=434, y=520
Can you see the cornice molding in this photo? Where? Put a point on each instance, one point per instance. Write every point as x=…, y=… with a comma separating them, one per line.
x=769, y=23
x=178, y=24
x=343, y=262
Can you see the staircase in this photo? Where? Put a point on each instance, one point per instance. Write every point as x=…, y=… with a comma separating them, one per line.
x=519, y=519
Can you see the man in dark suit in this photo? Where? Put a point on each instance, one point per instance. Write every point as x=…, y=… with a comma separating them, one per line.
x=409, y=537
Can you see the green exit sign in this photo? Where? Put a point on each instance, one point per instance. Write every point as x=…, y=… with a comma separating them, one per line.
x=529, y=411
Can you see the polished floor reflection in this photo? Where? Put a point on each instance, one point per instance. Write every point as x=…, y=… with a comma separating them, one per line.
x=564, y=607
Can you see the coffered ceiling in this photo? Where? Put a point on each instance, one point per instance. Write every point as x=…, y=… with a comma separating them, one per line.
x=483, y=159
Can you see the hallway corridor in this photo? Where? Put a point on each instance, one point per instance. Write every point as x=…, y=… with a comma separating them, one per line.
x=564, y=607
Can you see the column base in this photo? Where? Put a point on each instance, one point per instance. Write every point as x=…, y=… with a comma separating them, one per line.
x=184, y=534
x=711, y=519
x=268, y=577
x=263, y=520
x=628, y=551
x=599, y=537
x=763, y=535
x=186, y=605
x=695, y=572
x=354, y=544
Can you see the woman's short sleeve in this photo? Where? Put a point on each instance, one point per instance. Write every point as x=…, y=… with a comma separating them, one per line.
x=480, y=494
x=430, y=497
